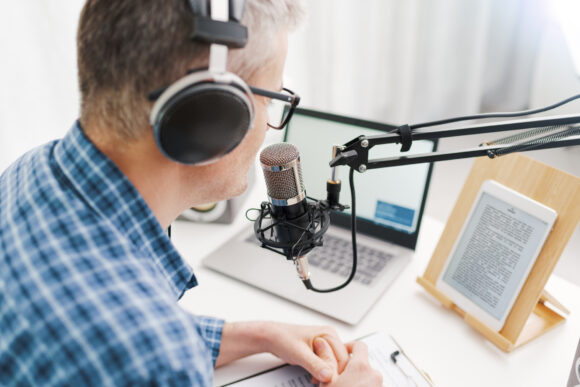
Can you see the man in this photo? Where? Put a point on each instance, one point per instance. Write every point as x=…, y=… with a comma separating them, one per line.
x=89, y=280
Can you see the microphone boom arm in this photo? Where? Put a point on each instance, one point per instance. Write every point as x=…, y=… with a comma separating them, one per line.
x=355, y=153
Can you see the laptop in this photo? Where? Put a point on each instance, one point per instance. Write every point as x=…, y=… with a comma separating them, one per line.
x=389, y=203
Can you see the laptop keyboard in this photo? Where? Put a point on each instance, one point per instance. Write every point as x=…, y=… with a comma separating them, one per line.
x=335, y=256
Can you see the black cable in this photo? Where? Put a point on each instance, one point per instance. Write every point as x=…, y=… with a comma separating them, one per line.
x=169, y=231
x=494, y=115
x=354, y=250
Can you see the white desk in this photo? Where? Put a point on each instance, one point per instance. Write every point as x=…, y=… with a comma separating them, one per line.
x=437, y=339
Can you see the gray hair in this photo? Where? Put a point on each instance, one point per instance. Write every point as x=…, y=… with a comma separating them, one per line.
x=126, y=49
x=264, y=18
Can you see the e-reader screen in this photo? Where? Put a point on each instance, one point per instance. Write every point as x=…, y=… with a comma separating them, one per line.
x=494, y=253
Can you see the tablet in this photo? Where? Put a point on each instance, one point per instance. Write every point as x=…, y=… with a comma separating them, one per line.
x=494, y=252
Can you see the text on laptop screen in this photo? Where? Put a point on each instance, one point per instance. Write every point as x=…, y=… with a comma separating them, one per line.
x=390, y=196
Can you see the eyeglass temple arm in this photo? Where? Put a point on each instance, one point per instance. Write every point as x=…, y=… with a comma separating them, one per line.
x=290, y=98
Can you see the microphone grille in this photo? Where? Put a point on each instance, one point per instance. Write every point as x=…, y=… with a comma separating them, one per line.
x=286, y=183
x=279, y=154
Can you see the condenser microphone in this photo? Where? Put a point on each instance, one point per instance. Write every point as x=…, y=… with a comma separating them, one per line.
x=283, y=175
x=290, y=223
x=289, y=206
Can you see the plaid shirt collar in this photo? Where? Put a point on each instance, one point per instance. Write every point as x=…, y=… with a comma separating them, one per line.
x=112, y=196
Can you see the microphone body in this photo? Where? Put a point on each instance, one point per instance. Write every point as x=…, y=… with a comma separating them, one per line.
x=297, y=215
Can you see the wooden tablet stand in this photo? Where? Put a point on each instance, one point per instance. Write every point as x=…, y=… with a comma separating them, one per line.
x=530, y=315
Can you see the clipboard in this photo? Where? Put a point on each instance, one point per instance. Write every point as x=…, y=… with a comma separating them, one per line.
x=385, y=355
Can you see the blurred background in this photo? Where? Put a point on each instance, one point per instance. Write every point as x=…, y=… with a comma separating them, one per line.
x=384, y=60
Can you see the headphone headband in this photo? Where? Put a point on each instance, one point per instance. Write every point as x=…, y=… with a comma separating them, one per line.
x=219, y=23
x=203, y=8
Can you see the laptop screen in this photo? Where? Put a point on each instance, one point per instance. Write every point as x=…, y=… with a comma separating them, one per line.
x=389, y=201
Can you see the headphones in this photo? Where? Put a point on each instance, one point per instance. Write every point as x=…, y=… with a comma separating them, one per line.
x=206, y=114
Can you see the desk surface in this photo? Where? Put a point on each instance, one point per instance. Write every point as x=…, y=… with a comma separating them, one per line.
x=437, y=339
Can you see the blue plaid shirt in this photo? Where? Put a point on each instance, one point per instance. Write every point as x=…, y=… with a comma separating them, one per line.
x=89, y=281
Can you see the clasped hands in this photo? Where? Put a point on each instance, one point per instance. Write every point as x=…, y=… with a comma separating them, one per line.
x=318, y=349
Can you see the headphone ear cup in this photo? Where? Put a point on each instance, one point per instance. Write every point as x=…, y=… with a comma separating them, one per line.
x=203, y=122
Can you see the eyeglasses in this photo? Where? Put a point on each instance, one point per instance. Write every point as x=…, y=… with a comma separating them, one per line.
x=282, y=106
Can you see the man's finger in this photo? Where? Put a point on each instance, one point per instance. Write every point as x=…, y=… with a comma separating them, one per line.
x=358, y=349
x=323, y=349
x=339, y=350
x=321, y=362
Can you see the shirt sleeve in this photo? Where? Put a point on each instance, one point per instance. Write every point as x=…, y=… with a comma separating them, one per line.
x=210, y=329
